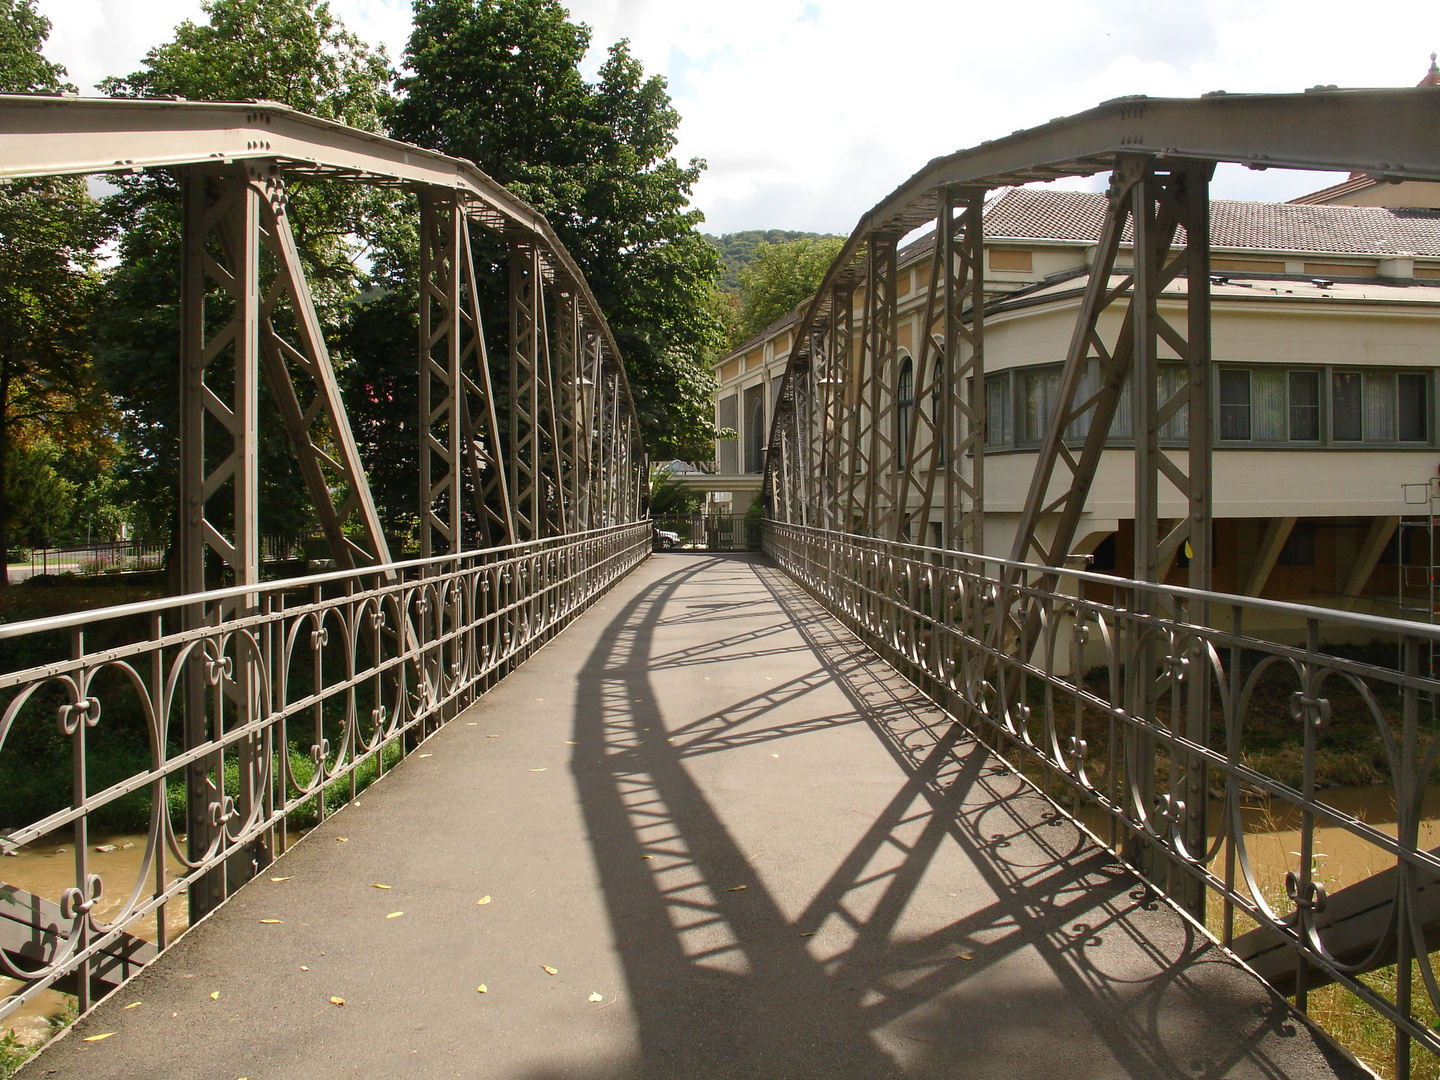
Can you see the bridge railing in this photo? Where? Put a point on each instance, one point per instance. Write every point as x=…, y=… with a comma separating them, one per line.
x=1199, y=735
x=217, y=723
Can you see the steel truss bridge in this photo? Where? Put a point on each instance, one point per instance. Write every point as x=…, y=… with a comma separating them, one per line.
x=853, y=500
x=364, y=662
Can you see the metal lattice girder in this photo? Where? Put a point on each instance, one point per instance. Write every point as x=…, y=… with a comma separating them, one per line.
x=459, y=431
x=568, y=342
x=840, y=404
x=1158, y=203
x=949, y=440
x=307, y=395
x=878, y=334
x=526, y=320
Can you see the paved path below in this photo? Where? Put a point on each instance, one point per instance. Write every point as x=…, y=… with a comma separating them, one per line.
x=770, y=858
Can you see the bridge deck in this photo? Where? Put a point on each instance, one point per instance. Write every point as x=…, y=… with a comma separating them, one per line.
x=706, y=803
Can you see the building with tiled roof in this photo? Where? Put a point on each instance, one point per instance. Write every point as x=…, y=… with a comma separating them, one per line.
x=1326, y=341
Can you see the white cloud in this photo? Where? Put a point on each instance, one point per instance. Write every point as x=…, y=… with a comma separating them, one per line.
x=808, y=112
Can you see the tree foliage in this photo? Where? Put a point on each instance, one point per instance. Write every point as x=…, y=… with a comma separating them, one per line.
x=294, y=52
x=737, y=249
x=49, y=231
x=781, y=277
x=499, y=82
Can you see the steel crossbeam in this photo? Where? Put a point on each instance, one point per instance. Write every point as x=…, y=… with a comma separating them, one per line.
x=460, y=431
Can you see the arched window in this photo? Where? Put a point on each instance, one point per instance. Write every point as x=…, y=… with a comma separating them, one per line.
x=937, y=398
x=755, y=430
x=904, y=411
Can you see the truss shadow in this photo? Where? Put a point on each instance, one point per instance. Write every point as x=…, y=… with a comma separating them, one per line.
x=1068, y=968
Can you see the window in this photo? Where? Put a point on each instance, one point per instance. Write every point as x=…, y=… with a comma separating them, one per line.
x=1304, y=406
x=937, y=418
x=1345, y=423
x=1171, y=379
x=997, y=410
x=904, y=411
x=1253, y=404
x=1234, y=404
x=1042, y=389
x=1380, y=406
x=1414, y=407
x=1299, y=549
x=755, y=429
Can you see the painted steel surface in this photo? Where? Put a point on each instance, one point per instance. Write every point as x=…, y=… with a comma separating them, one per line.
x=1060, y=704
x=355, y=665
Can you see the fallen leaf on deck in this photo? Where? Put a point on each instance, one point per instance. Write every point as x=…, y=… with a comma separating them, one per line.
x=647, y=856
x=492, y=736
x=343, y=839
x=482, y=989
x=537, y=770
x=282, y=878
x=471, y=723
x=337, y=1001
x=215, y=996
x=427, y=755
x=271, y=922
x=812, y=933
x=964, y=956
x=304, y=968
x=134, y=1005
x=482, y=900
x=571, y=742
x=395, y=914
x=596, y=997
x=549, y=970
x=738, y=888
x=97, y=1038
x=380, y=886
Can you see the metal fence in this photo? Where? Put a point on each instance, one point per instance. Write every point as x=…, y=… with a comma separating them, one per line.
x=252, y=705
x=711, y=532
x=107, y=558
x=1188, y=728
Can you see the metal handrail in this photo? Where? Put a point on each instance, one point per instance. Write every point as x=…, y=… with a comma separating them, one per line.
x=1135, y=710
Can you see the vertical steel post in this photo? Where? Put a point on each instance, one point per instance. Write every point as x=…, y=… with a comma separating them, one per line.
x=230, y=207
x=439, y=375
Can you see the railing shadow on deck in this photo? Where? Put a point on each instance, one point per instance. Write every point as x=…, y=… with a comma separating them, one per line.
x=725, y=984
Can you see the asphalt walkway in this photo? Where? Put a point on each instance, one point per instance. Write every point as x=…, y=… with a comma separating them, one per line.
x=719, y=840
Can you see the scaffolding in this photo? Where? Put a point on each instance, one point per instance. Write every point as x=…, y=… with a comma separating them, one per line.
x=1415, y=560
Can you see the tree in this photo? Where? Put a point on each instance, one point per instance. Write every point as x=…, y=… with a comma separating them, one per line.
x=49, y=232
x=294, y=52
x=782, y=276
x=498, y=82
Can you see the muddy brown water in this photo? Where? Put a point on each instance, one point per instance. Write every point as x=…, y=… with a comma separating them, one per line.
x=1272, y=831
x=46, y=868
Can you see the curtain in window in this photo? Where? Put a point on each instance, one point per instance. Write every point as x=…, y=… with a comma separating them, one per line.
x=1268, y=404
x=1304, y=406
x=1345, y=406
x=1234, y=404
x=997, y=410
x=1089, y=385
x=1042, y=388
x=1380, y=406
x=1169, y=380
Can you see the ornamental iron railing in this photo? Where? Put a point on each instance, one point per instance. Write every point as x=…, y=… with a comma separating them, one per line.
x=1197, y=734
x=244, y=710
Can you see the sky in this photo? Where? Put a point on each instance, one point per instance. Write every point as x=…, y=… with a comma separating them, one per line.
x=809, y=112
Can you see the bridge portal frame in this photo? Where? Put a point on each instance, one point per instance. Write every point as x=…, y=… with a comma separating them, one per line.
x=1161, y=154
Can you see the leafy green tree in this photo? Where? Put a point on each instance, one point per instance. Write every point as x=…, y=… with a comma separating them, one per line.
x=49, y=231
x=737, y=249
x=294, y=52
x=782, y=276
x=498, y=82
